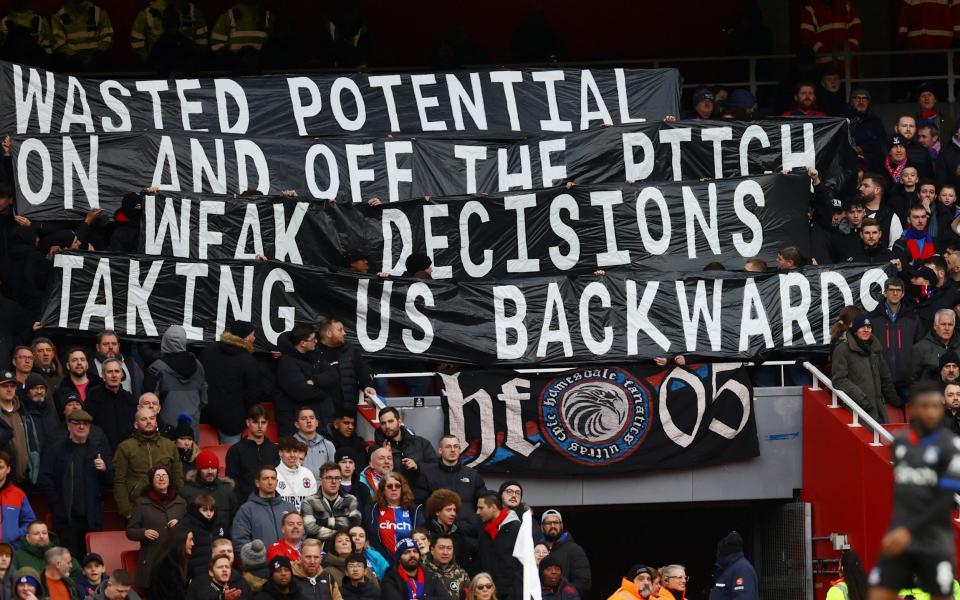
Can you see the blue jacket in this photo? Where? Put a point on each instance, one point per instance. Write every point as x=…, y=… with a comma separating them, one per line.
x=735, y=580
x=17, y=514
x=259, y=519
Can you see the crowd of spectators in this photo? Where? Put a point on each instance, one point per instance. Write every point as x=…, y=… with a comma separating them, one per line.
x=311, y=516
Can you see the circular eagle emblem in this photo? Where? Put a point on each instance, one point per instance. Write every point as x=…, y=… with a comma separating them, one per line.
x=595, y=416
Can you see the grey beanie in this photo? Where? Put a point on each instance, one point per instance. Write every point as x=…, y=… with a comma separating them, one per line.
x=253, y=554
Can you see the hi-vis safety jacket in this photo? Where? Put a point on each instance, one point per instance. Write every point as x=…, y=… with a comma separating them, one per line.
x=36, y=24
x=81, y=30
x=148, y=26
x=243, y=26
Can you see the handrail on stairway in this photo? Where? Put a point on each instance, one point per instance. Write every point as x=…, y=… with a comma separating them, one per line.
x=858, y=413
x=879, y=433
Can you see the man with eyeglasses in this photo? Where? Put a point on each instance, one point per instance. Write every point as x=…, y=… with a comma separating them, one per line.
x=75, y=474
x=868, y=130
x=511, y=495
x=674, y=582
x=331, y=509
x=896, y=326
x=569, y=555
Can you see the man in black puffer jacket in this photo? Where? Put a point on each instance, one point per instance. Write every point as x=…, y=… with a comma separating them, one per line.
x=352, y=371
x=300, y=381
x=233, y=382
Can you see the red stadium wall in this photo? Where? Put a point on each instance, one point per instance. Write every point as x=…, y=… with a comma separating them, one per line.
x=848, y=482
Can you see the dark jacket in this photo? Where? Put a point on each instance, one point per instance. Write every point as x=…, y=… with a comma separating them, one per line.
x=321, y=587
x=563, y=591
x=147, y=514
x=353, y=374
x=465, y=536
x=864, y=376
x=496, y=558
x=573, y=562
x=919, y=157
x=220, y=489
x=136, y=374
x=204, y=532
x=951, y=420
x=355, y=445
x=735, y=579
x=364, y=591
x=59, y=476
x=409, y=446
x=948, y=163
x=179, y=380
x=870, y=134
x=879, y=254
x=113, y=412
x=270, y=591
x=393, y=587
x=202, y=588
x=45, y=419
x=925, y=356
x=233, y=383
x=166, y=579
x=294, y=370
x=244, y=460
x=465, y=481
x=896, y=337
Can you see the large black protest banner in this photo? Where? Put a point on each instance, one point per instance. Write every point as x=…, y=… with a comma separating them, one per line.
x=655, y=151
x=620, y=317
x=602, y=420
x=671, y=227
x=61, y=177
x=475, y=104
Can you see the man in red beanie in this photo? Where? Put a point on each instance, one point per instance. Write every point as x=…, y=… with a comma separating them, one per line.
x=205, y=479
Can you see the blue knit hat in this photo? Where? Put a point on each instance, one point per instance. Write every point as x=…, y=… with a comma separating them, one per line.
x=741, y=98
x=404, y=545
x=859, y=321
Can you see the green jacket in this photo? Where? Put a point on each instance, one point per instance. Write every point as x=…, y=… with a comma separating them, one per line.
x=864, y=376
x=81, y=30
x=925, y=357
x=134, y=457
x=243, y=26
x=29, y=555
x=148, y=26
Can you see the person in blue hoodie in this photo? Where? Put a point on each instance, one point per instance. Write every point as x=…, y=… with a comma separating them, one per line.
x=735, y=577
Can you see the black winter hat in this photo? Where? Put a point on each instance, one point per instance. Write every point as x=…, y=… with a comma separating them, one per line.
x=507, y=484
x=242, y=328
x=731, y=544
x=279, y=562
x=950, y=356
x=633, y=571
x=549, y=561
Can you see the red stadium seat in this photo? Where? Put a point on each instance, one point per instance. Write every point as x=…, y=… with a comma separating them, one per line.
x=221, y=452
x=110, y=545
x=208, y=435
x=130, y=559
x=273, y=432
x=895, y=415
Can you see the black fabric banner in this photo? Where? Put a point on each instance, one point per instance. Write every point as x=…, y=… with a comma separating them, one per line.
x=475, y=104
x=61, y=177
x=581, y=320
x=602, y=420
x=670, y=227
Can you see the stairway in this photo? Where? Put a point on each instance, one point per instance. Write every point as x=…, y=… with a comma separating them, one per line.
x=846, y=478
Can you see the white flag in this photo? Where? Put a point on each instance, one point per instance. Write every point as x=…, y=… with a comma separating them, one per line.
x=523, y=551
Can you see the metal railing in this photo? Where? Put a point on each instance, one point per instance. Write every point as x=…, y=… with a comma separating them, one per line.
x=879, y=433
